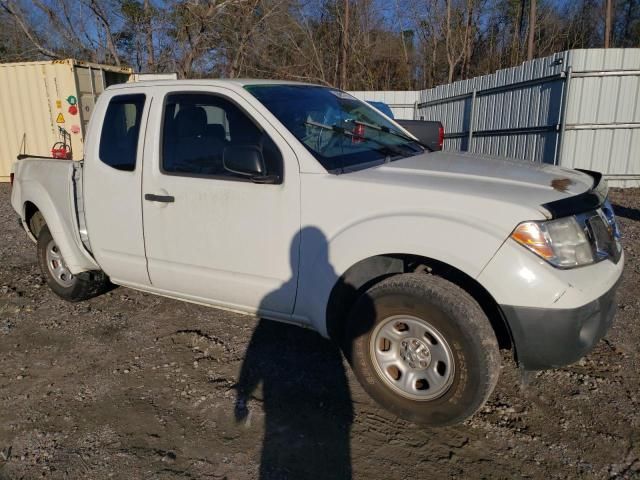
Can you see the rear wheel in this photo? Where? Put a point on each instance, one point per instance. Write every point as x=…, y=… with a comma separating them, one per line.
x=66, y=285
x=423, y=348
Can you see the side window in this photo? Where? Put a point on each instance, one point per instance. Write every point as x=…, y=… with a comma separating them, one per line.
x=119, y=137
x=199, y=127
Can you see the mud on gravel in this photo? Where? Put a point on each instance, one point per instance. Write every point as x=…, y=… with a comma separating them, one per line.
x=133, y=386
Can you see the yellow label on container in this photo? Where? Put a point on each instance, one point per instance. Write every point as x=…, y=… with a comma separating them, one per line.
x=60, y=118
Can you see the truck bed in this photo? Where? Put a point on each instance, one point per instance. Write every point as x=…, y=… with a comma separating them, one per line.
x=53, y=187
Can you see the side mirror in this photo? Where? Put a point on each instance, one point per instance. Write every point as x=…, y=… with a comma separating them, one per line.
x=244, y=160
x=247, y=160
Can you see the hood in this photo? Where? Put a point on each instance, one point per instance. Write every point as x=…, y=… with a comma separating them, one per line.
x=503, y=179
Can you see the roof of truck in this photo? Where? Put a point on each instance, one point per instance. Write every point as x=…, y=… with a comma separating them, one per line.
x=240, y=82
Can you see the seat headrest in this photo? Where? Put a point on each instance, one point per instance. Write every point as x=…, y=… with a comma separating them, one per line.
x=191, y=121
x=217, y=131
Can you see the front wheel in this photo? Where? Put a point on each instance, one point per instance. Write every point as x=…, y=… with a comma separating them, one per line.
x=66, y=285
x=423, y=348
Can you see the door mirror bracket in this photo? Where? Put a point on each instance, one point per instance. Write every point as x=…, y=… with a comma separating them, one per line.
x=265, y=179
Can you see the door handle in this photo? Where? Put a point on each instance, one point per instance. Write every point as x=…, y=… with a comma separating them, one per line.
x=159, y=198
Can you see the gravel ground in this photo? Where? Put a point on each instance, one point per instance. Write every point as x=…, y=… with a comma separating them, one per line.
x=129, y=385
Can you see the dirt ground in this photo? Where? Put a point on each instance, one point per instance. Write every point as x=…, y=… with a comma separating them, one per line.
x=130, y=385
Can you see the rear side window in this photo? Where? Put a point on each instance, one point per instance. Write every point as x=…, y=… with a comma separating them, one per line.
x=119, y=137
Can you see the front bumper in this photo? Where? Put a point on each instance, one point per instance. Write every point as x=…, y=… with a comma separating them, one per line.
x=547, y=337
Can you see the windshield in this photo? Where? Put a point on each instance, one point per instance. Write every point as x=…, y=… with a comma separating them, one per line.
x=341, y=132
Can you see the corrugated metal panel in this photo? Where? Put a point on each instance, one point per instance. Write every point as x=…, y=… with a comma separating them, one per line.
x=514, y=99
x=535, y=69
x=402, y=102
x=33, y=94
x=521, y=112
x=613, y=151
x=603, y=114
x=602, y=59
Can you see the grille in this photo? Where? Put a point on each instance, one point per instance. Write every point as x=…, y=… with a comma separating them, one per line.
x=602, y=230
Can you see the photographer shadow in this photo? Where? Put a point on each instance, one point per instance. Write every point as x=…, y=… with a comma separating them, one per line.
x=305, y=393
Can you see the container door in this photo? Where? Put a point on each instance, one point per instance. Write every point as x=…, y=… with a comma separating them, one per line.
x=87, y=102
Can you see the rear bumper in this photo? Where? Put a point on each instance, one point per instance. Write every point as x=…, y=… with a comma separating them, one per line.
x=547, y=338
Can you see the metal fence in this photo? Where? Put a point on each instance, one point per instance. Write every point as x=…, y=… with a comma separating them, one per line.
x=514, y=112
x=577, y=109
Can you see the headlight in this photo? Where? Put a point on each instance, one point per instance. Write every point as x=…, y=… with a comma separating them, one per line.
x=560, y=242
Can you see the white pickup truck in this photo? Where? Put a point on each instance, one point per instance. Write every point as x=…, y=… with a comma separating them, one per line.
x=301, y=204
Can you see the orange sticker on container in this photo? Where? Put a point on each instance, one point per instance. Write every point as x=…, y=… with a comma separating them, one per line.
x=60, y=118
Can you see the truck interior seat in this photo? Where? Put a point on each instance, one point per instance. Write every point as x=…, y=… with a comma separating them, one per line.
x=190, y=148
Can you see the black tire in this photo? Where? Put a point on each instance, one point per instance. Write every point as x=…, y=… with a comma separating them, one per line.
x=76, y=287
x=456, y=317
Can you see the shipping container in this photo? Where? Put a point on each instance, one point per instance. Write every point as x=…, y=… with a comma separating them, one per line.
x=48, y=104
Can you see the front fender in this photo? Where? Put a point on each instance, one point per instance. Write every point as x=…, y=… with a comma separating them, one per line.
x=467, y=245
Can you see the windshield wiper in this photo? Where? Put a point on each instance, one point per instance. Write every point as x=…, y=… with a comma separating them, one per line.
x=395, y=133
x=349, y=133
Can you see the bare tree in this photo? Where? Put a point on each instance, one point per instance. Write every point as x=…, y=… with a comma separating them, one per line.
x=102, y=16
x=457, y=29
x=67, y=21
x=345, y=46
x=607, y=22
x=195, y=32
x=148, y=26
x=532, y=29
x=14, y=10
x=356, y=44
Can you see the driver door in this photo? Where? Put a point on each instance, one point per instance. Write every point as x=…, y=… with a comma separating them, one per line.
x=211, y=235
